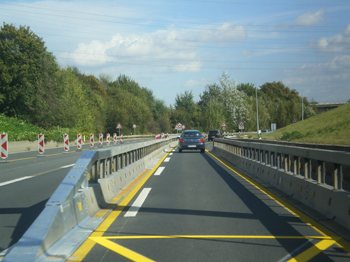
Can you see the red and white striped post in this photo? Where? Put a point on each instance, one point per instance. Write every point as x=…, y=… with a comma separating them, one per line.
x=157, y=136
x=79, y=147
x=41, y=147
x=4, y=146
x=121, y=138
x=115, y=138
x=108, y=139
x=66, y=142
x=162, y=135
x=100, y=140
x=91, y=140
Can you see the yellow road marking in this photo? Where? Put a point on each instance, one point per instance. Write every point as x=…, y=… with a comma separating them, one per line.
x=219, y=236
x=88, y=244
x=313, y=251
x=342, y=243
x=120, y=249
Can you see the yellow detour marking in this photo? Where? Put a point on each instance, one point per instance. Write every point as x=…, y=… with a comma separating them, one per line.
x=120, y=249
x=106, y=242
x=313, y=251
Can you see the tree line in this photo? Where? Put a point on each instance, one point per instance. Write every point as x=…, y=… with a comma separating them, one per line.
x=34, y=88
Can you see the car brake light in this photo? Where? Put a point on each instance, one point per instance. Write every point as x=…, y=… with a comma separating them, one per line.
x=217, y=134
x=202, y=140
x=181, y=140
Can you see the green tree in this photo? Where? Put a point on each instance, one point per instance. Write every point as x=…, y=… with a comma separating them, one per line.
x=23, y=59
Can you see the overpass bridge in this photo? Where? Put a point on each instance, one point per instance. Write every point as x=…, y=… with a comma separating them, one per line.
x=145, y=201
x=324, y=107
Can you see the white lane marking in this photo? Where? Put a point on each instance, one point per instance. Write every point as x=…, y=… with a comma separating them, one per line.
x=67, y=166
x=170, y=154
x=167, y=159
x=138, y=203
x=291, y=254
x=15, y=180
x=159, y=170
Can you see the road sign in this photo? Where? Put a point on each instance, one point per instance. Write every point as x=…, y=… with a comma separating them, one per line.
x=241, y=125
x=133, y=126
x=295, y=120
x=119, y=126
x=223, y=124
x=179, y=126
x=183, y=127
x=224, y=128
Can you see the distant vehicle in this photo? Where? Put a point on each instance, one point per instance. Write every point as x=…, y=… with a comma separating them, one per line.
x=265, y=131
x=214, y=134
x=191, y=140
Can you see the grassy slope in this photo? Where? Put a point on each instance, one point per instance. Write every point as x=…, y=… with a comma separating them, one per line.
x=332, y=127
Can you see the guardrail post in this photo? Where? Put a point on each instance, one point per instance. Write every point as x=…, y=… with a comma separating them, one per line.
x=321, y=172
x=296, y=165
x=286, y=163
x=338, y=177
x=307, y=168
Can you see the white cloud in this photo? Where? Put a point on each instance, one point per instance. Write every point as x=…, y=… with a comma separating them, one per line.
x=336, y=43
x=309, y=18
x=191, y=83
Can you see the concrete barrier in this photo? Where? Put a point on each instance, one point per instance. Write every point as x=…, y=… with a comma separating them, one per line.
x=93, y=181
x=280, y=167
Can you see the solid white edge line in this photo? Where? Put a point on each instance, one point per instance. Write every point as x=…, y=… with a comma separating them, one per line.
x=14, y=180
x=67, y=166
x=159, y=170
x=138, y=203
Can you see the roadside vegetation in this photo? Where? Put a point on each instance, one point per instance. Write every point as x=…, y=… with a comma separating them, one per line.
x=38, y=95
x=331, y=127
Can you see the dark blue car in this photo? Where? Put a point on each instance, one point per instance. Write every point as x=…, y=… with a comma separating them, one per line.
x=191, y=140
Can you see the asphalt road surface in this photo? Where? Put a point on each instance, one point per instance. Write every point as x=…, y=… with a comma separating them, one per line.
x=192, y=206
x=27, y=181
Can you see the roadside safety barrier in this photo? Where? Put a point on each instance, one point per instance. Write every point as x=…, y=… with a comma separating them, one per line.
x=289, y=169
x=108, y=139
x=121, y=138
x=41, y=147
x=100, y=143
x=4, y=146
x=79, y=143
x=66, y=142
x=92, y=182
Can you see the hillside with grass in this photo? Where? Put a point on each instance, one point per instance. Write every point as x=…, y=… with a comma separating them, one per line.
x=332, y=127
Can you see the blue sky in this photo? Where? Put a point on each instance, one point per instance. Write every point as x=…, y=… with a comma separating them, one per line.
x=175, y=46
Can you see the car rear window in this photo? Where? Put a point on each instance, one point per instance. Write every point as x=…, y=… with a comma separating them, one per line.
x=213, y=132
x=192, y=134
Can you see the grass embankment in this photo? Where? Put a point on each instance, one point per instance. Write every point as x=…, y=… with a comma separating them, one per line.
x=19, y=130
x=332, y=127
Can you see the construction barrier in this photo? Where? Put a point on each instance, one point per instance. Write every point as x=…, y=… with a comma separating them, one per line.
x=79, y=147
x=157, y=136
x=162, y=135
x=115, y=138
x=41, y=147
x=206, y=136
x=91, y=140
x=4, y=146
x=121, y=138
x=100, y=143
x=108, y=139
x=66, y=142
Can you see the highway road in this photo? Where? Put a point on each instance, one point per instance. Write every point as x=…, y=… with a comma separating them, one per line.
x=195, y=207
x=189, y=207
x=27, y=181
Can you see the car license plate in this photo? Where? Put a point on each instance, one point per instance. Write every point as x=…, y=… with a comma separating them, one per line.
x=192, y=146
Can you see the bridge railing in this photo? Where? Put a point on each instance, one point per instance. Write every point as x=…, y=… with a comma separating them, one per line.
x=95, y=179
x=290, y=169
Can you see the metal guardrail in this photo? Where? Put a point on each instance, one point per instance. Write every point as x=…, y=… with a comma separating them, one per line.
x=68, y=206
x=289, y=169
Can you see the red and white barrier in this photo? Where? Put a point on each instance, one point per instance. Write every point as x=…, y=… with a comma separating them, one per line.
x=157, y=136
x=162, y=135
x=121, y=138
x=66, y=142
x=4, y=146
x=41, y=140
x=108, y=139
x=91, y=140
x=100, y=143
x=206, y=136
x=115, y=138
x=79, y=142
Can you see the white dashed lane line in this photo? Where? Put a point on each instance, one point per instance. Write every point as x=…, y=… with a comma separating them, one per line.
x=132, y=212
x=15, y=180
x=159, y=171
x=167, y=159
